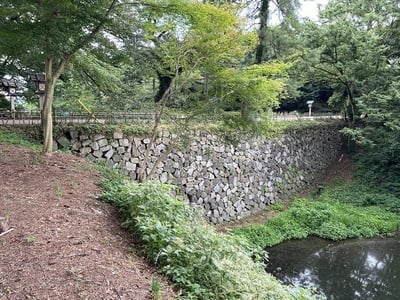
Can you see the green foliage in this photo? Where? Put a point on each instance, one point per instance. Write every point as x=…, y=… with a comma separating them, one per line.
x=156, y=288
x=327, y=218
x=379, y=134
x=137, y=129
x=4, y=103
x=234, y=125
x=355, y=50
x=276, y=207
x=15, y=137
x=204, y=263
x=363, y=194
x=257, y=86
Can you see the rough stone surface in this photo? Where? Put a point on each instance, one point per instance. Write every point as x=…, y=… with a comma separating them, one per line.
x=228, y=181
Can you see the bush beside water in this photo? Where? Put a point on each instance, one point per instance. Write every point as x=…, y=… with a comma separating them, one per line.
x=342, y=211
x=203, y=263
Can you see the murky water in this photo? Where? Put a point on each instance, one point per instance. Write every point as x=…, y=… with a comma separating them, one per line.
x=352, y=269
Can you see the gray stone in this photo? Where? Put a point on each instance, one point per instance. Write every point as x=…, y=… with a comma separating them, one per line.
x=91, y=158
x=73, y=134
x=105, y=148
x=121, y=150
x=86, y=143
x=76, y=146
x=164, y=177
x=97, y=153
x=118, y=135
x=63, y=142
x=110, y=164
x=95, y=146
x=135, y=160
x=84, y=151
x=102, y=142
x=109, y=154
x=137, y=141
x=97, y=137
x=124, y=142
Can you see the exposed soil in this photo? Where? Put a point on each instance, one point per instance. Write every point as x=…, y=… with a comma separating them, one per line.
x=57, y=240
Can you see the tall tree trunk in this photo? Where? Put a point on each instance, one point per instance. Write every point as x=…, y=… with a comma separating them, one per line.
x=47, y=123
x=47, y=107
x=264, y=15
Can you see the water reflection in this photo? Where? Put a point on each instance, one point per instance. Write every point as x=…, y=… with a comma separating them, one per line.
x=354, y=269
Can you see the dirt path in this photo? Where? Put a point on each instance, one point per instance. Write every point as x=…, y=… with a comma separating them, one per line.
x=61, y=242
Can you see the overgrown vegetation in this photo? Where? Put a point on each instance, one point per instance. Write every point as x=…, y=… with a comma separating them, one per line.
x=203, y=263
x=14, y=136
x=366, y=207
x=326, y=218
x=361, y=194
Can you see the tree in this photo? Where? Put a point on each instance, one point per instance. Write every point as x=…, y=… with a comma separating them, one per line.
x=256, y=88
x=287, y=8
x=355, y=49
x=194, y=42
x=346, y=51
x=52, y=33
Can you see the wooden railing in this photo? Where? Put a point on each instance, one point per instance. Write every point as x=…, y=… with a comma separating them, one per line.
x=34, y=117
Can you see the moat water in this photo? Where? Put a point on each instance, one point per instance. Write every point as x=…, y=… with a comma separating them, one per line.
x=346, y=270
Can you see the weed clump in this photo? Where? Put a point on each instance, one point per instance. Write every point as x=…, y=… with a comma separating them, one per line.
x=203, y=263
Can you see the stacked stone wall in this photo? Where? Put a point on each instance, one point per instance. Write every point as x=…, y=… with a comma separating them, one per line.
x=228, y=181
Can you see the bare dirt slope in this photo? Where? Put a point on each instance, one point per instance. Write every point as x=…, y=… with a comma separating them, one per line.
x=57, y=240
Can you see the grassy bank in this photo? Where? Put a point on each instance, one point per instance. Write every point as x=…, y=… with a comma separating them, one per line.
x=344, y=210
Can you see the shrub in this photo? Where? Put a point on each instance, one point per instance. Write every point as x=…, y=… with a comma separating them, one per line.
x=203, y=263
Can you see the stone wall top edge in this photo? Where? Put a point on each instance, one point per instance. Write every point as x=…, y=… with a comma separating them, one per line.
x=326, y=126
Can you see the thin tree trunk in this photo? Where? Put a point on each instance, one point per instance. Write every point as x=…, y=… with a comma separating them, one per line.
x=47, y=124
x=51, y=79
x=47, y=106
x=264, y=14
x=170, y=147
x=157, y=120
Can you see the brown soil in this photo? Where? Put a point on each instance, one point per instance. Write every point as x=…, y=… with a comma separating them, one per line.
x=58, y=241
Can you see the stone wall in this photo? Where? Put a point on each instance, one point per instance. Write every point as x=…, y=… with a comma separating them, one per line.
x=228, y=181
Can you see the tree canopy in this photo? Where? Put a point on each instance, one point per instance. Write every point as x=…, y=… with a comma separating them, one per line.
x=96, y=42
x=227, y=54
x=355, y=49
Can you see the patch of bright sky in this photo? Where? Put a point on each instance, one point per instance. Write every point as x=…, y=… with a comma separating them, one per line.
x=309, y=8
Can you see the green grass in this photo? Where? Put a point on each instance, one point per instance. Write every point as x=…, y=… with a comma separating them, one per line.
x=340, y=212
x=15, y=137
x=361, y=194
